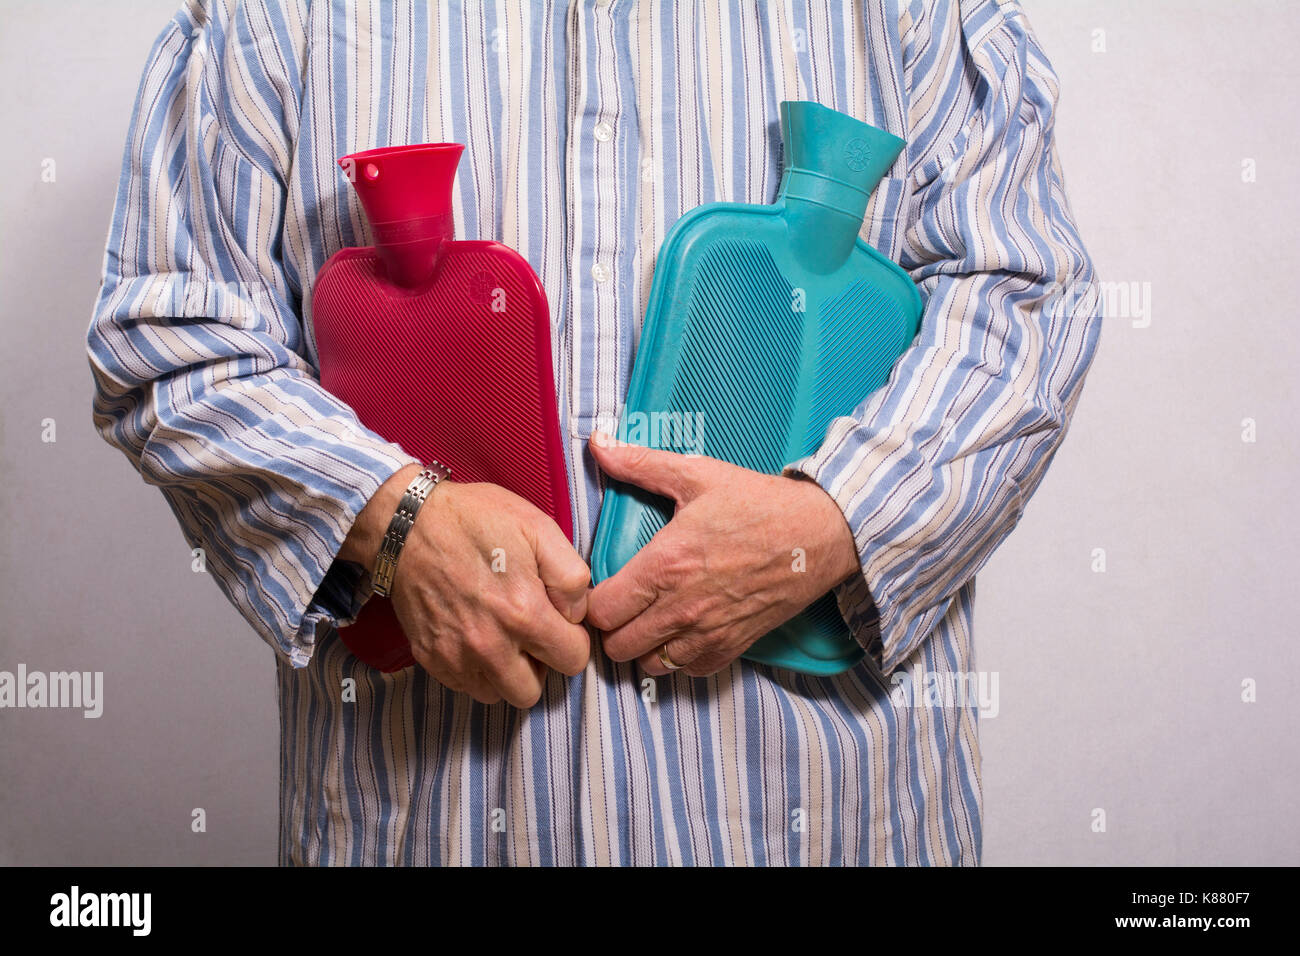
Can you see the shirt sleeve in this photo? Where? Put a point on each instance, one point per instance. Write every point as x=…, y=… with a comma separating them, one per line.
x=197, y=346
x=934, y=469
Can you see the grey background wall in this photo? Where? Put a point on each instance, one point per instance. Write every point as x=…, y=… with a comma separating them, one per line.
x=1119, y=690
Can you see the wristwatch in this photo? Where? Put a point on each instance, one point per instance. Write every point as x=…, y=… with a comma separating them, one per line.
x=417, y=492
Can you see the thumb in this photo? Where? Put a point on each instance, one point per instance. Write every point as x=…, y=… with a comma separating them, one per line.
x=563, y=572
x=664, y=473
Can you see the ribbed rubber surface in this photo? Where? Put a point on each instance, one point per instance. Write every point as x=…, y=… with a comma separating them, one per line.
x=447, y=377
x=724, y=338
x=732, y=348
x=847, y=372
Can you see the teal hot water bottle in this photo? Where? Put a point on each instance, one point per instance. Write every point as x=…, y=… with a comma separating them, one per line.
x=764, y=324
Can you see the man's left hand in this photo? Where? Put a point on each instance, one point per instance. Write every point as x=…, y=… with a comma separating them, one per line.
x=743, y=553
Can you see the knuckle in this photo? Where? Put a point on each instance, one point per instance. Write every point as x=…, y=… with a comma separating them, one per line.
x=432, y=663
x=576, y=656
x=534, y=523
x=672, y=559
x=681, y=615
x=575, y=577
x=636, y=455
x=597, y=615
x=506, y=609
x=620, y=650
x=481, y=645
x=576, y=610
x=520, y=613
x=688, y=651
x=613, y=648
x=481, y=689
x=527, y=699
x=686, y=647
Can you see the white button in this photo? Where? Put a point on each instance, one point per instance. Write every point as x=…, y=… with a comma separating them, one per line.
x=600, y=273
x=604, y=132
x=602, y=3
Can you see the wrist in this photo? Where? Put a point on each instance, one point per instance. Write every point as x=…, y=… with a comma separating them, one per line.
x=403, y=523
x=366, y=536
x=836, y=543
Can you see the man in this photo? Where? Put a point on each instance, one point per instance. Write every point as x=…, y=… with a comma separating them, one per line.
x=589, y=129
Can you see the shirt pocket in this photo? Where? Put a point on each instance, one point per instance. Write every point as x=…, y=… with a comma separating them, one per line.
x=933, y=167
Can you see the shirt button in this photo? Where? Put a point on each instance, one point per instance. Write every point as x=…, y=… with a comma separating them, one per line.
x=600, y=273
x=604, y=132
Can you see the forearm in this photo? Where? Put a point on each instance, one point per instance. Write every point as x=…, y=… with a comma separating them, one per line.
x=267, y=488
x=934, y=470
x=197, y=344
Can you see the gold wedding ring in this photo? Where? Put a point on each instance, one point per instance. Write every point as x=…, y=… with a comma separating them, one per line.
x=665, y=659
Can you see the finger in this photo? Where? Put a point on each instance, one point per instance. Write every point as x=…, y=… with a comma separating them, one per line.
x=458, y=680
x=679, y=652
x=515, y=678
x=565, y=647
x=542, y=632
x=474, y=683
x=562, y=570
x=698, y=655
x=618, y=599
x=658, y=623
x=666, y=473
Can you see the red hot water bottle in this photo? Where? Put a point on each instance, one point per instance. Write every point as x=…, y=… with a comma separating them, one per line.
x=439, y=345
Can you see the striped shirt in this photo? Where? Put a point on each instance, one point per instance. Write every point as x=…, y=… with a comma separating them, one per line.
x=590, y=128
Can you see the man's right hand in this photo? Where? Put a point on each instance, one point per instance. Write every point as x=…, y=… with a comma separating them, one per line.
x=488, y=589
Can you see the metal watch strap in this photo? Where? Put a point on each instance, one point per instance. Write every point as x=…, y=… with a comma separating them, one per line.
x=417, y=492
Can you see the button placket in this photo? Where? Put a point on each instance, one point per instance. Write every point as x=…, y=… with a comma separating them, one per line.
x=595, y=372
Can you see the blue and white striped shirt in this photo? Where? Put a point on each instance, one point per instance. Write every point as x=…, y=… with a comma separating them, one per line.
x=590, y=128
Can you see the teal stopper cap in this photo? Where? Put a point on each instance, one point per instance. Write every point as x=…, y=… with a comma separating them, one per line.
x=833, y=159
